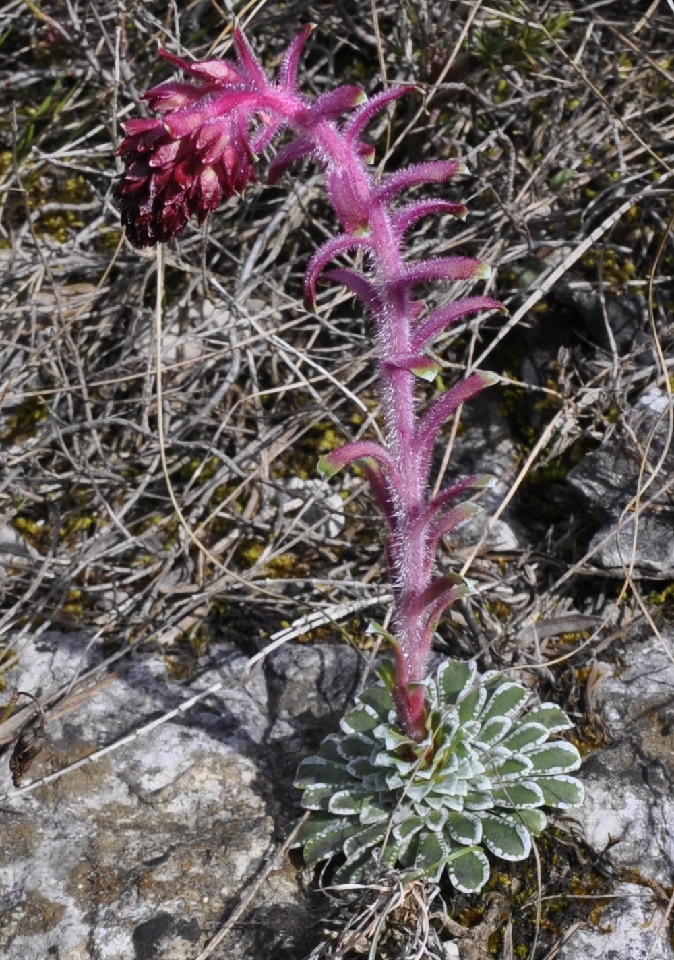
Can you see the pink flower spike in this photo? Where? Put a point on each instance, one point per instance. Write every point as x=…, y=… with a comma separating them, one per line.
x=355, y=126
x=349, y=191
x=435, y=610
x=215, y=71
x=443, y=408
x=287, y=155
x=484, y=481
x=172, y=95
x=358, y=285
x=327, y=252
x=438, y=596
x=441, y=594
x=263, y=137
x=443, y=317
x=336, y=460
x=140, y=125
x=407, y=216
x=451, y=520
x=443, y=268
x=218, y=106
x=248, y=61
x=287, y=72
x=417, y=364
x=142, y=136
x=366, y=152
x=436, y=171
x=331, y=105
x=379, y=487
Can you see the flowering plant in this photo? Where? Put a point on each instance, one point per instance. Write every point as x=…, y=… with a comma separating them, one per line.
x=200, y=149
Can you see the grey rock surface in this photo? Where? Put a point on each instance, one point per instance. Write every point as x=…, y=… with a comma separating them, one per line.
x=485, y=446
x=14, y=549
x=632, y=927
x=629, y=806
x=608, y=479
x=618, y=318
x=311, y=503
x=628, y=812
x=143, y=853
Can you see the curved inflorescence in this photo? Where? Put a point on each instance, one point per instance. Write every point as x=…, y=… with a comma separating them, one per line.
x=200, y=149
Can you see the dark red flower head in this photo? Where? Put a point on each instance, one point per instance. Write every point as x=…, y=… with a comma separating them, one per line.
x=186, y=161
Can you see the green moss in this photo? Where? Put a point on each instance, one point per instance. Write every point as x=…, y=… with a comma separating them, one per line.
x=660, y=598
x=24, y=423
x=198, y=472
x=512, y=42
x=249, y=552
x=77, y=524
x=58, y=225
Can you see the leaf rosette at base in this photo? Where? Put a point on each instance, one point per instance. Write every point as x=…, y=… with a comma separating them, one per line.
x=479, y=780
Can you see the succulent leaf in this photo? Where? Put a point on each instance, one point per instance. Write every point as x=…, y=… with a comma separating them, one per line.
x=469, y=707
x=561, y=791
x=551, y=716
x=534, y=820
x=318, y=770
x=506, y=701
x=529, y=734
x=374, y=813
x=520, y=795
x=323, y=838
x=328, y=750
x=361, y=720
x=560, y=757
x=455, y=677
x=512, y=768
x=469, y=871
x=317, y=796
x=505, y=837
x=355, y=747
x=493, y=730
x=378, y=698
x=364, y=839
x=431, y=856
x=464, y=827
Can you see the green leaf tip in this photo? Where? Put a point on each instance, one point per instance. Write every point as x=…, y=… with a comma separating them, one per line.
x=426, y=371
x=327, y=468
x=489, y=378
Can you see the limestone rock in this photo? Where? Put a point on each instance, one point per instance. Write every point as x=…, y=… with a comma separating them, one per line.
x=142, y=853
x=608, y=479
x=632, y=927
x=628, y=812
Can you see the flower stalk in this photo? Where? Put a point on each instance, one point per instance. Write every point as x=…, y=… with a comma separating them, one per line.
x=201, y=149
